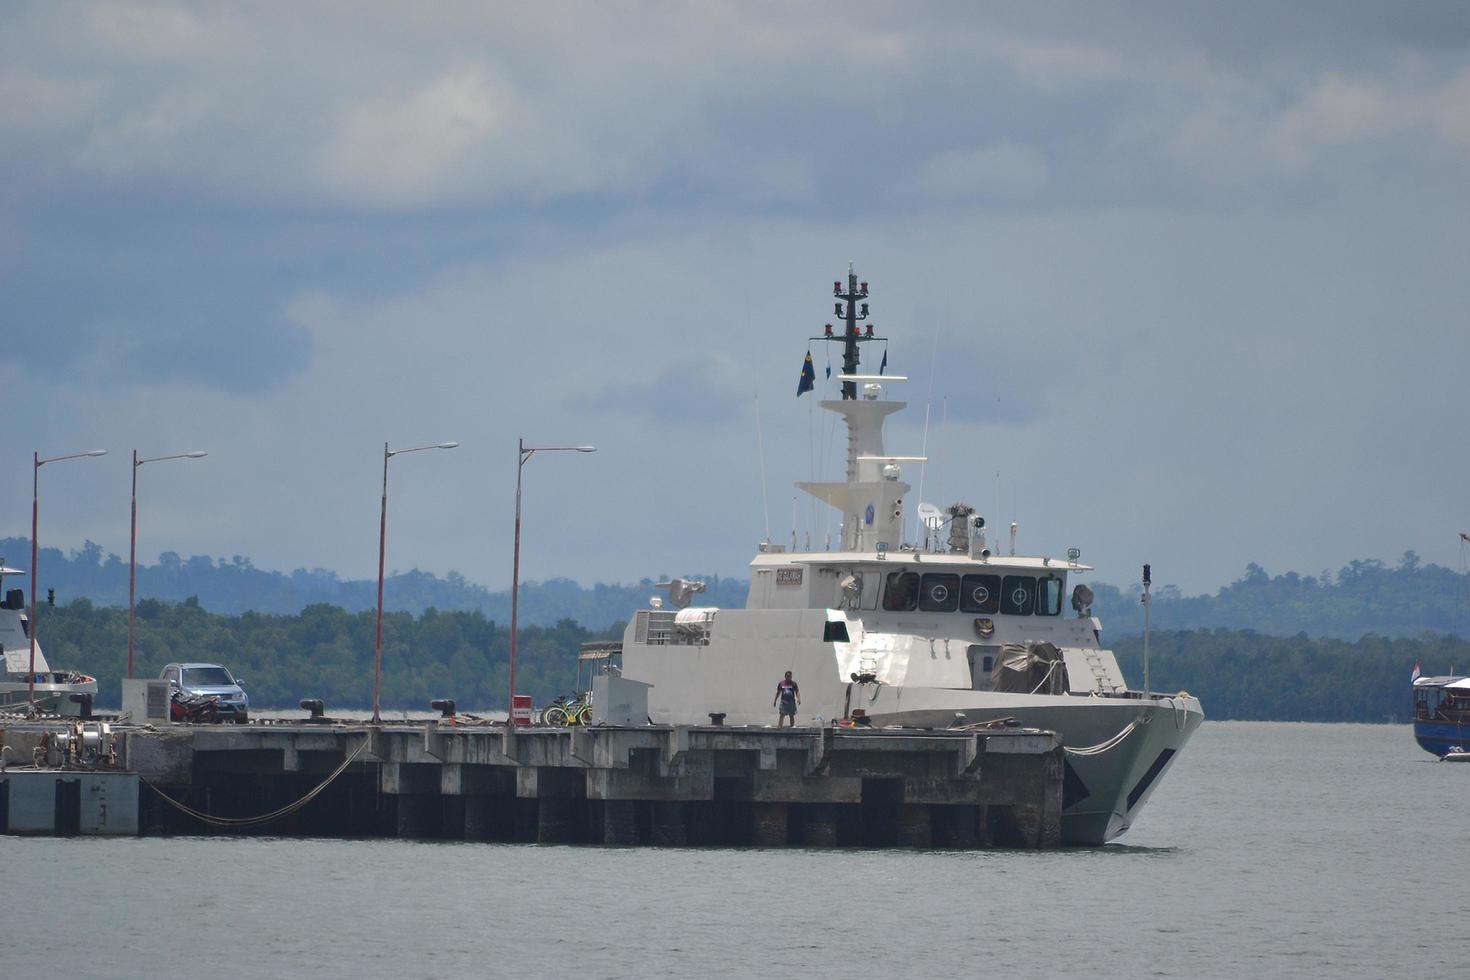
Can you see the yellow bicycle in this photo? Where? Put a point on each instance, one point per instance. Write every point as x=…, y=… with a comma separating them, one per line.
x=565, y=711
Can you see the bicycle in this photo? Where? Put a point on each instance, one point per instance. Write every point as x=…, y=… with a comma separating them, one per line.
x=563, y=711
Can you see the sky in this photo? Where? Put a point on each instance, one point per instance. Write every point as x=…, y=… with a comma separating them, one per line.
x=1177, y=282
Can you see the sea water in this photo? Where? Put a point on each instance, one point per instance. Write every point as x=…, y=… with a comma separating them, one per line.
x=1269, y=850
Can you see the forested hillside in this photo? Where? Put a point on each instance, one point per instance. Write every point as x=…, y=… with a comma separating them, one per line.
x=1242, y=675
x=322, y=651
x=1407, y=598
x=327, y=652
x=235, y=585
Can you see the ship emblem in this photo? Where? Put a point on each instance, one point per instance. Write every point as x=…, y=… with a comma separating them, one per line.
x=985, y=626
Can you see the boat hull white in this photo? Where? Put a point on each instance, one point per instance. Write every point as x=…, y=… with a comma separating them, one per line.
x=735, y=672
x=52, y=697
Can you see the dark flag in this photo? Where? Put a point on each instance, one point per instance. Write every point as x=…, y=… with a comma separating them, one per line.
x=884, y=366
x=808, y=376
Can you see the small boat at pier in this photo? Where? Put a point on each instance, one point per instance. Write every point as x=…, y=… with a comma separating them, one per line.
x=23, y=680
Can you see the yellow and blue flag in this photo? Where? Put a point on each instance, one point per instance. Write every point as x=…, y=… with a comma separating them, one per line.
x=808, y=376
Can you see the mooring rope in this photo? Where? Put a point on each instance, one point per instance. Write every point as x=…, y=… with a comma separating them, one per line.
x=285, y=811
x=1181, y=711
x=1102, y=747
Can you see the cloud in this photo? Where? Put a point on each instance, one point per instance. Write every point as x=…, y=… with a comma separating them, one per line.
x=415, y=149
x=33, y=101
x=149, y=138
x=289, y=236
x=1239, y=131
x=150, y=31
x=1052, y=64
x=691, y=391
x=1004, y=171
x=719, y=108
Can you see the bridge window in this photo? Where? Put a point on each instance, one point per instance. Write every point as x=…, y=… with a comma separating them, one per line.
x=980, y=594
x=902, y=592
x=1049, y=596
x=1017, y=595
x=834, y=631
x=941, y=593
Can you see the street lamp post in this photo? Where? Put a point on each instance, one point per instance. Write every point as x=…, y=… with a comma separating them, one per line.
x=35, y=554
x=382, y=552
x=526, y=452
x=133, y=537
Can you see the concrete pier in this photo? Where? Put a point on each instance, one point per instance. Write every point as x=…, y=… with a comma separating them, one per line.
x=652, y=785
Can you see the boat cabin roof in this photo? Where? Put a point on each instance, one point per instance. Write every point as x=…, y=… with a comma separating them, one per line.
x=1457, y=683
x=917, y=560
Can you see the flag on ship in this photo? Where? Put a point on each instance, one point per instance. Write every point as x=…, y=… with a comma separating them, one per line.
x=1415, y=675
x=884, y=366
x=808, y=376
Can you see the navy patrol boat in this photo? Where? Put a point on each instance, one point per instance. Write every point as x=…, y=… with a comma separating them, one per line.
x=922, y=625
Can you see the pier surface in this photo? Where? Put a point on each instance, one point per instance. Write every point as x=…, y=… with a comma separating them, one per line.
x=653, y=785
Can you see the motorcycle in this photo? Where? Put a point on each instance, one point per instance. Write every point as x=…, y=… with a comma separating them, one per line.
x=194, y=708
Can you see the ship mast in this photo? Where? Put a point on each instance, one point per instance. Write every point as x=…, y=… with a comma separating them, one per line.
x=871, y=498
x=852, y=308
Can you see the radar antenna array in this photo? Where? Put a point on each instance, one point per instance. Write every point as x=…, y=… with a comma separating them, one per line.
x=852, y=308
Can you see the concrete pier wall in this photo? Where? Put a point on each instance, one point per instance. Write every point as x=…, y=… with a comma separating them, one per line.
x=662, y=786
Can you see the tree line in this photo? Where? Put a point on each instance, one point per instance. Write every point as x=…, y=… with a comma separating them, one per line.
x=1243, y=675
x=1363, y=597
x=326, y=651
x=1366, y=596
x=235, y=585
x=323, y=651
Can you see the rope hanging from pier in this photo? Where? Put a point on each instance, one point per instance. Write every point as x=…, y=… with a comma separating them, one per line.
x=240, y=823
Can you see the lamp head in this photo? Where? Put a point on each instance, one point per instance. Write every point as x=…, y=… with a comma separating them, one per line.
x=196, y=454
x=447, y=445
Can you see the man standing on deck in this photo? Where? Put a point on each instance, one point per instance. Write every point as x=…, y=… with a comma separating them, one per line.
x=788, y=696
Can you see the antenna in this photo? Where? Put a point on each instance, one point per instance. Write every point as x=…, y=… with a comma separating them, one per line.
x=1147, y=581
x=793, y=522
x=761, y=446
x=852, y=308
x=928, y=404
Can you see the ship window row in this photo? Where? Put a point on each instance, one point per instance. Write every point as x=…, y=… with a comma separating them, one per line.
x=1011, y=595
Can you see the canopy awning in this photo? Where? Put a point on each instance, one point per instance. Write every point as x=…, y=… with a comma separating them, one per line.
x=600, y=651
x=1460, y=683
